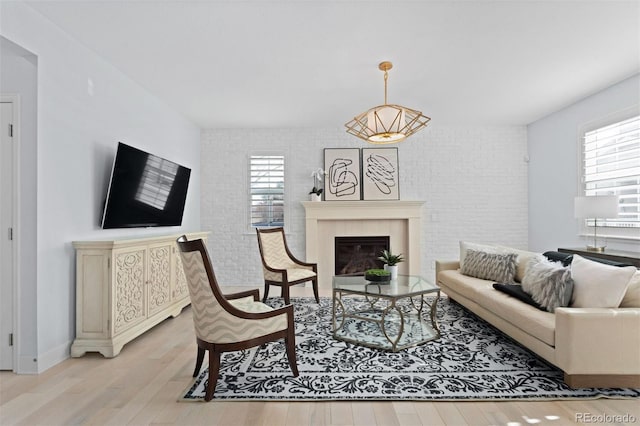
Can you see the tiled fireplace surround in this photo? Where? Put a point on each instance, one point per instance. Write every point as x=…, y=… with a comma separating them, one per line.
x=325, y=220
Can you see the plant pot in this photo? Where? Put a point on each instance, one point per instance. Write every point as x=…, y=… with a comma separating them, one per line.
x=393, y=269
x=315, y=197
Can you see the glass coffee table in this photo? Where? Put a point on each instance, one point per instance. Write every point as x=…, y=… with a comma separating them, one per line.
x=384, y=315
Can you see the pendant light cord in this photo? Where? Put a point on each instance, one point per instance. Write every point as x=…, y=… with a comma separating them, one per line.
x=386, y=76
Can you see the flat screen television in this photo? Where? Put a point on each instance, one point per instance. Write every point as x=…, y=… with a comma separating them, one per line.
x=144, y=190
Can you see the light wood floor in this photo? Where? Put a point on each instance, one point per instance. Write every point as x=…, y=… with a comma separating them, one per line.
x=141, y=386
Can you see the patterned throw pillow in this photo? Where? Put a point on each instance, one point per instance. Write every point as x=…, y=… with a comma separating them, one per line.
x=522, y=258
x=549, y=283
x=490, y=266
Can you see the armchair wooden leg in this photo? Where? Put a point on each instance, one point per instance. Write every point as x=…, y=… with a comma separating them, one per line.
x=285, y=293
x=291, y=354
x=314, y=282
x=266, y=292
x=199, y=360
x=214, y=370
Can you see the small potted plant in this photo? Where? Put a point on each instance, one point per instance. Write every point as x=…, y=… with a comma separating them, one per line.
x=391, y=261
x=377, y=275
x=318, y=177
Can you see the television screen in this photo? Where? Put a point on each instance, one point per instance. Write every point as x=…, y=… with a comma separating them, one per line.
x=145, y=190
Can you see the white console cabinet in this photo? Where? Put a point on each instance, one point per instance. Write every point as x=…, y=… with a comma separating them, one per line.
x=123, y=288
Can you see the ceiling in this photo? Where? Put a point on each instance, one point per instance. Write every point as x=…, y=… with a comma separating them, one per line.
x=314, y=63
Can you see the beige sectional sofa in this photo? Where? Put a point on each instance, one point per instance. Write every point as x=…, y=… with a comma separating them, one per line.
x=595, y=347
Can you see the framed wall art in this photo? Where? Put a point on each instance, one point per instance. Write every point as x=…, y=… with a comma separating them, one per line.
x=380, y=174
x=342, y=181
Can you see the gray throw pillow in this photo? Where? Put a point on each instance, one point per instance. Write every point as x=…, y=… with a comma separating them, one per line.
x=549, y=283
x=490, y=266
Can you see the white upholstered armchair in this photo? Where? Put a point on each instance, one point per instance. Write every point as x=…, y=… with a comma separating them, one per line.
x=280, y=267
x=233, y=322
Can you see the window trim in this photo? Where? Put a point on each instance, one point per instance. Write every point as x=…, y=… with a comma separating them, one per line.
x=608, y=232
x=250, y=228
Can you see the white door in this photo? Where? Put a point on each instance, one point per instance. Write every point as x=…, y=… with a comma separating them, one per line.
x=6, y=236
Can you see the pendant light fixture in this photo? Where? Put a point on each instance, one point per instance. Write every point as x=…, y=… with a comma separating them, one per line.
x=388, y=123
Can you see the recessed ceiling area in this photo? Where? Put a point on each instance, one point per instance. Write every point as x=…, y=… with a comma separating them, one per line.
x=252, y=64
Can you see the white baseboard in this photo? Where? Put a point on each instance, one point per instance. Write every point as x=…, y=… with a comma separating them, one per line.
x=27, y=365
x=53, y=357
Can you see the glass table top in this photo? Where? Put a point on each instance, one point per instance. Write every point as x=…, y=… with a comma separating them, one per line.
x=403, y=286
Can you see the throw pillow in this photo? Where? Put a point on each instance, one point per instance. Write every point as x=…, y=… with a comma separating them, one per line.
x=522, y=258
x=522, y=261
x=631, y=297
x=556, y=256
x=490, y=266
x=598, y=285
x=515, y=290
x=466, y=246
x=549, y=283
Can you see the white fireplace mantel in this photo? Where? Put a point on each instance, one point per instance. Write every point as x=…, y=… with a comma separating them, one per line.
x=325, y=220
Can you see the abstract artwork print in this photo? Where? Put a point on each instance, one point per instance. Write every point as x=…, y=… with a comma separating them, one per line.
x=342, y=166
x=380, y=174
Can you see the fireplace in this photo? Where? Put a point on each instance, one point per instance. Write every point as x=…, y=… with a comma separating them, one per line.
x=400, y=220
x=354, y=255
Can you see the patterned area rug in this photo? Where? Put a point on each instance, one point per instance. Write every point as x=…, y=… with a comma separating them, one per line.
x=470, y=361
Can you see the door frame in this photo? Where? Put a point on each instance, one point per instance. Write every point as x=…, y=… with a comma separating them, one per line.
x=14, y=99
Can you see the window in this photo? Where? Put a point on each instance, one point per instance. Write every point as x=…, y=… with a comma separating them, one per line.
x=611, y=166
x=266, y=190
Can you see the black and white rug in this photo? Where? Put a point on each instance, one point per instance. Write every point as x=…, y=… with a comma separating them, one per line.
x=470, y=361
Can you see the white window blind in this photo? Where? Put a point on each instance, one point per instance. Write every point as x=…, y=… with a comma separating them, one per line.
x=611, y=156
x=267, y=190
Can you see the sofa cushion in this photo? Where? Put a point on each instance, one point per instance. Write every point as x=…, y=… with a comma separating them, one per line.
x=466, y=286
x=631, y=297
x=549, y=283
x=539, y=324
x=597, y=285
x=490, y=266
x=515, y=290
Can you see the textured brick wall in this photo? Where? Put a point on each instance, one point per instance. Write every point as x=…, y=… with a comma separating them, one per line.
x=473, y=179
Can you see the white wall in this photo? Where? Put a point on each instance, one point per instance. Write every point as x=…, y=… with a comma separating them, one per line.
x=473, y=179
x=554, y=167
x=77, y=134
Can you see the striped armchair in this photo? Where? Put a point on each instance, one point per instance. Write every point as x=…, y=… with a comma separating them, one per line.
x=280, y=267
x=225, y=323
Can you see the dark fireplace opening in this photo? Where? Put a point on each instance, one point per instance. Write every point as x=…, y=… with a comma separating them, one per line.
x=354, y=255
